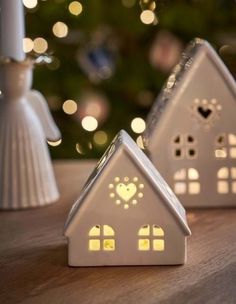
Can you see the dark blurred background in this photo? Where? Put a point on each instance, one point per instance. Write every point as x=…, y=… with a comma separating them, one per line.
x=108, y=59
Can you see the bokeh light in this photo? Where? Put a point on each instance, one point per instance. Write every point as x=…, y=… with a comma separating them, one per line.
x=100, y=138
x=69, y=106
x=89, y=123
x=40, y=45
x=28, y=45
x=138, y=125
x=60, y=29
x=128, y=3
x=139, y=142
x=30, y=3
x=147, y=17
x=54, y=143
x=75, y=8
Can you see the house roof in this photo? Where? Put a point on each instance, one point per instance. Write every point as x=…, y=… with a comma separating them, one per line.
x=125, y=142
x=197, y=47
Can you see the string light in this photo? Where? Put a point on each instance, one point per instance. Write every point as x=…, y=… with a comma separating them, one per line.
x=89, y=123
x=28, y=45
x=69, y=107
x=60, y=29
x=138, y=125
x=40, y=45
x=100, y=137
x=30, y=3
x=75, y=8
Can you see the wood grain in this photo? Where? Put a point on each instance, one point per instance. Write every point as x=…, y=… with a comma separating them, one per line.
x=33, y=258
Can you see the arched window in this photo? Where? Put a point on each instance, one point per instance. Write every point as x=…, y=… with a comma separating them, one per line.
x=184, y=146
x=151, y=237
x=225, y=146
x=226, y=180
x=186, y=181
x=101, y=237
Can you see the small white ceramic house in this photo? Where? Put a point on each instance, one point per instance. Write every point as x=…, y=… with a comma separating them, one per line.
x=126, y=213
x=191, y=130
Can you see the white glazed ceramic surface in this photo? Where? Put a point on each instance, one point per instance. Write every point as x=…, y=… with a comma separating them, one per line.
x=26, y=173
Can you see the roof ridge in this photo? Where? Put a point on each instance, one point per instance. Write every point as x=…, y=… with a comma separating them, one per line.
x=122, y=139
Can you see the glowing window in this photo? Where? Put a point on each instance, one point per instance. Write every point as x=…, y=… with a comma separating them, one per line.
x=101, y=238
x=151, y=237
x=186, y=181
x=226, y=180
x=184, y=146
x=225, y=146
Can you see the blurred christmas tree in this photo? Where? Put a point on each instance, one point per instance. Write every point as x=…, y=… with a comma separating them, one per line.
x=106, y=62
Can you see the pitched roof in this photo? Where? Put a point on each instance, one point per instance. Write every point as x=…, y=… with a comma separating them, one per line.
x=197, y=47
x=123, y=140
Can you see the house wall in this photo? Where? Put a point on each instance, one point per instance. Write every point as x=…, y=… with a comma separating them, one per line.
x=99, y=209
x=202, y=81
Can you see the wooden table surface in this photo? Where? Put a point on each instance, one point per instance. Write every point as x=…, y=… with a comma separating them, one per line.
x=33, y=258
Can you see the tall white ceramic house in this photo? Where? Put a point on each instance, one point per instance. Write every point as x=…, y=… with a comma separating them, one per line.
x=126, y=213
x=191, y=129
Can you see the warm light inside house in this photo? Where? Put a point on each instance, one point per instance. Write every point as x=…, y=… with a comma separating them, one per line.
x=28, y=45
x=89, y=123
x=126, y=190
x=232, y=139
x=69, y=107
x=60, y=29
x=223, y=187
x=147, y=16
x=220, y=153
x=30, y=3
x=150, y=240
x=187, y=181
x=232, y=152
x=101, y=238
x=138, y=125
x=226, y=180
x=40, y=45
x=193, y=174
x=75, y=8
x=158, y=245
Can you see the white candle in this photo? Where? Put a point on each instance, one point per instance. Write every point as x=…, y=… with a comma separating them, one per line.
x=12, y=29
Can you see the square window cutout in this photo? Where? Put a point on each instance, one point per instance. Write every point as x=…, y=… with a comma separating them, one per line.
x=232, y=152
x=144, y=245
x=94, y=245
x=109, y=245
x=220, y=153
x=158, y=245
x=194, y=188
x=180, y=188
x=233, y=173
x=223, y=187
x=233, y=187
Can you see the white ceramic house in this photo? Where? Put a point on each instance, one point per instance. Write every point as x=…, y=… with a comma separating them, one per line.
x=191, y=130
x=126, y=213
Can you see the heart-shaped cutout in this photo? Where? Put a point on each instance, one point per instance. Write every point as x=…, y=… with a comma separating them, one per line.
x=205, y=112
x=126, y=192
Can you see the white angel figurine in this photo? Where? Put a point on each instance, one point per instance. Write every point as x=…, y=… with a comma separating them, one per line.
x=26, y=173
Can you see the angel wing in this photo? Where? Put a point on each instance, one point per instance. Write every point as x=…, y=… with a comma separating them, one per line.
x=40, y=106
